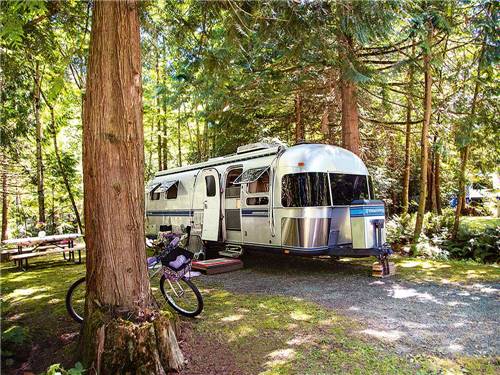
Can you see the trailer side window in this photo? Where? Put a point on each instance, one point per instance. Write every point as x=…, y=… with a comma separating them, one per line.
x=232, y=190
x=305, y=190
x=172, y=191
x=210, y=185
x=261, y=185
x=154, y=195
x=348, y=187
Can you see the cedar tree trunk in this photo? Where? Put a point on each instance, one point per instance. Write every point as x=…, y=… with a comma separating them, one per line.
x=424, y=142
x=5, y=202
x=299, y=125
x=39, y=138
x=123, y=332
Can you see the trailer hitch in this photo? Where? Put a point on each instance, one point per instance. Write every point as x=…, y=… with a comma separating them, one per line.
x=384, y=250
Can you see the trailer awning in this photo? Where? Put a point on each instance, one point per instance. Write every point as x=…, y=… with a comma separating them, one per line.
x=250, y=175
x=152, y=187
x=165, y=185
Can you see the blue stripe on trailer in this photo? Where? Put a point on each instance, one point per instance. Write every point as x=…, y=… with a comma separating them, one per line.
x=365, y=211
x=170, y=213
x=255, y=212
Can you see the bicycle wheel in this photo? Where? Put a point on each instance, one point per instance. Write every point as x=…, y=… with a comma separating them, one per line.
x=182, y=295
x=75, y=300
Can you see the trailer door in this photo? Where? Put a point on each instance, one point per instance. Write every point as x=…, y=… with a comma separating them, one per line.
x=211, y=204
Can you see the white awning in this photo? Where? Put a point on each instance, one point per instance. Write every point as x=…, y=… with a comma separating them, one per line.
x=151, y=187
x=250, y=175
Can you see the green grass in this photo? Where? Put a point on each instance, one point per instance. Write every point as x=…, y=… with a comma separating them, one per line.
x=264, y=334
x=450, y=271
x=478, y=223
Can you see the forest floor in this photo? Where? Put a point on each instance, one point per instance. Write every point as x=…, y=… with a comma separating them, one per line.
x=287, y=315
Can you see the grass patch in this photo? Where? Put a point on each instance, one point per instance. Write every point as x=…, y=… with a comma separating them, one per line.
x=477, y=224
x=450, y=271
x=265, y=334
x=282, y=335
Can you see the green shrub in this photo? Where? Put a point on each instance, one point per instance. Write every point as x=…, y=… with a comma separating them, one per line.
x=15, y=342
x=57, y=369
x=435, y=241
x=483, y=246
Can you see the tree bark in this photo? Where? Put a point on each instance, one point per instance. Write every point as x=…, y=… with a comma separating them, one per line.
x=123, y=332
x=299, y=126
x=350, y=116
x=39, y=139
x=424, y=142
x=5, y=202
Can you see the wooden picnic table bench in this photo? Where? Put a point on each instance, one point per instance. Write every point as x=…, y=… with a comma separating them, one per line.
x=22, y=259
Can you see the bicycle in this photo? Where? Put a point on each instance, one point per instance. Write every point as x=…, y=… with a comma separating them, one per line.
x=173, y=263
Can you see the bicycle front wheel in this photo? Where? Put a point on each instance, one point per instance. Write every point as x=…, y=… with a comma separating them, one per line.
x=75, y=300
x=182, y=295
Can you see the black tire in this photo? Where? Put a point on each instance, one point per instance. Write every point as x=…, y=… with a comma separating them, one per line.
x=171, y=301
x=73, y=311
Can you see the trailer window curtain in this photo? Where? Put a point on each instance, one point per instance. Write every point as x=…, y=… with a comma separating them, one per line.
x=305, y=190
x=348, y=187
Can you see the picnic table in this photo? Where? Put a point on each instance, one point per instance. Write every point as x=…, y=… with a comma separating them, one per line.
x=31, y=247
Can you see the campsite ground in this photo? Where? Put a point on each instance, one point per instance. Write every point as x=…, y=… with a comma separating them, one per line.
x=295, y=315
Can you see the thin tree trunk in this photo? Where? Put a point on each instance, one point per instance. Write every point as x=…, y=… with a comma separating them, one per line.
x=407, y=166
x=424, y=142
x=5, y=202
x=39, y=139
x=299, y=126
x=159, y=146
x=437, y=182
x=63, y=172
x=123, y=331
x=179, y=150
x=464, y=153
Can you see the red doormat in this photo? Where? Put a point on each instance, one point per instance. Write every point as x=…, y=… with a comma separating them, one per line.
x=218, y=265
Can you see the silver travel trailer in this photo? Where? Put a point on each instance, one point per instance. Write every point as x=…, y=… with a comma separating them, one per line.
x=308, y=199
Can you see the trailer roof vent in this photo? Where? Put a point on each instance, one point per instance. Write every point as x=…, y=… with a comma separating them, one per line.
x=253, y=147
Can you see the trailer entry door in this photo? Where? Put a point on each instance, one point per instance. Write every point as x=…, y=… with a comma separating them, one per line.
x=211, y=204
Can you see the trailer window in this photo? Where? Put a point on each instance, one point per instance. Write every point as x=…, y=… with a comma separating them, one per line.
x=305, y=190
x=152, y=190
x=257, y=201
x=348, y=187
x=261, y=185
x=210, y=185
x=232, y=190
x=172, y=191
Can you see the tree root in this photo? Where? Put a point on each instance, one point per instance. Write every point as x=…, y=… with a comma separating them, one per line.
x=146, y=347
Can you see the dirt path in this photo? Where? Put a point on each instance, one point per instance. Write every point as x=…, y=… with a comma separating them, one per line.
x=418, y=317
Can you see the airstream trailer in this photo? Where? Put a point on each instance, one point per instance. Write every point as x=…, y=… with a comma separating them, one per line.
x=308, y=199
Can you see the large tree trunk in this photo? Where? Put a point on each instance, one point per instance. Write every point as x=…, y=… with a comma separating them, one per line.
x=123, y=332
x=39, y=139
x=5, y=201
x=350, y=116
x=409, y=109
x=424, y=142
x=299, y=125
x=63, y=172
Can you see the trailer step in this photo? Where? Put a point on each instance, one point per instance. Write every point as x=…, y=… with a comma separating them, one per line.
x=231, y=251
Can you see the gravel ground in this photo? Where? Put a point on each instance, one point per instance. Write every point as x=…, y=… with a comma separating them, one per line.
x=428, y=318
